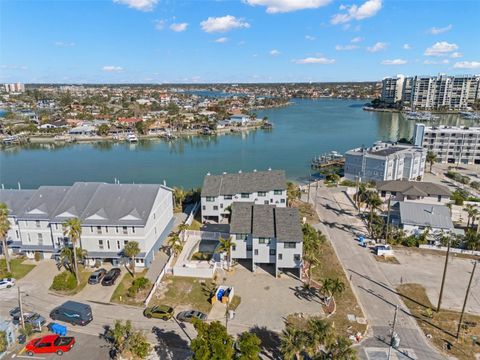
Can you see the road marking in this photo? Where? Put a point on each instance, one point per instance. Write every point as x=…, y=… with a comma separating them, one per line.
x=31, y=357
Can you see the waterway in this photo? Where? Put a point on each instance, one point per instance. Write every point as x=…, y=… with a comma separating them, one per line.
x=302, y=130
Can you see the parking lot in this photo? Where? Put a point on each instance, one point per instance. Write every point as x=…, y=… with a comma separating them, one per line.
x=426, y=269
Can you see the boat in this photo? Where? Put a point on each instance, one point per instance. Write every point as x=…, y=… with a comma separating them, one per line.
x=132, y=138
x=11, y=140
x=469, y=115
x=328, y=159
x=421, y=116
x=267, y=125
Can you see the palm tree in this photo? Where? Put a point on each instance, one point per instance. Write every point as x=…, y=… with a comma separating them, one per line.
x=341, y=349
x=361, y=195
x=320, y=333
x=173, y=242
x=312, y=246
x=73, y=229
x=431, y=158
x=131, y=250
x=472, y=213
x=226, y=247
x=4, y=227
x=333, y=286
x=292, y=342
x=373, y=201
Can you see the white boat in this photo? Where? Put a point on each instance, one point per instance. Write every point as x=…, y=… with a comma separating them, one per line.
x=132, y=138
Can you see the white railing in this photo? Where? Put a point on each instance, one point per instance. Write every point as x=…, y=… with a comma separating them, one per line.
x=453, y=250
x=159, y=279
x=206, y=235
x=191, y=216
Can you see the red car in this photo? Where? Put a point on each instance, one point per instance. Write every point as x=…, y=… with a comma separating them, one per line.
x=50, y=344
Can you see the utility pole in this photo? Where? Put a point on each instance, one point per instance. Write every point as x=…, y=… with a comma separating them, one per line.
x=309, y=178
x=393, y=332
x=357, y=200
x=387, y=233
x=22, y=320
x=444, y=275
x=466, y=298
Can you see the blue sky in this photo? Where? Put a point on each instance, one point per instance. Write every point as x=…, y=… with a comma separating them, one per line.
x=158, y=41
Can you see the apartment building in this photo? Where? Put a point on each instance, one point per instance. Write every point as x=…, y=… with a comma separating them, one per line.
x=451, y=144
x=14, y=88
x=267, y=235
x=219, y=192
x=111, y=215
x=431, y=92
x=385, y=161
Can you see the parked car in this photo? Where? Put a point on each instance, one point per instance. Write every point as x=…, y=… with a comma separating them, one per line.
x=50, y=344
x=7, y=283
x=32, y=318
x=73, y=312
x=160, y=312
x=97, y=276
x=111, y=276
x=189, y=315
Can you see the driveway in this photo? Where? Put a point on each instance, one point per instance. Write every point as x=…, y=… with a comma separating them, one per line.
x=266, y=300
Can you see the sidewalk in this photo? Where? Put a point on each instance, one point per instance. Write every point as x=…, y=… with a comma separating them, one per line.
x=156, y=266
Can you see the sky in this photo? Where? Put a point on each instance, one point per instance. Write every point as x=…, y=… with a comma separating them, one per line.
x=205, y=41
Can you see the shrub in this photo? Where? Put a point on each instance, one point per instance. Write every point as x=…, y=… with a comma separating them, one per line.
x=64, y=281
x=349, y=183
x=37, y=256
x=475, y=185
x=141, y=282
x=458, y=177
x=201, y=256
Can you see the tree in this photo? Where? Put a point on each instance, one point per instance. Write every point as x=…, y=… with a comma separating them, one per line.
x=73, y=229
x=293, y=192
x=472, y=213
x=248, y=347
x=293, y=342
x=103, y=130
x=471, y=240
x=340, y=349
x=226, y=247
x=333, y=286
x=373, y=201
x=128, y=342
x=173, y=242
x=131, y=250
x=68, y=259
x=312, y=246
x=4, y=227
x=141, y=127
x=212, y=342
x=178, y=196
x=320, y=333
x=3, y=342
x=431, y=159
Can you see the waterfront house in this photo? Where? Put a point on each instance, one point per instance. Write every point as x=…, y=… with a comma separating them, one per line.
x=239, y=120
x=83, y=130
x=414, y=191
x=111, y=215
x=267, y=235
x=219, y=192
x=385, y=161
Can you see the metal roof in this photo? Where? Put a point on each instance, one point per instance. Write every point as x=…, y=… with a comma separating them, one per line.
x=414, y=188
x=427, y=215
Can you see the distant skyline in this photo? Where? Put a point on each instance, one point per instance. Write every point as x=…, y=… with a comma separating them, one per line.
x=244, y=41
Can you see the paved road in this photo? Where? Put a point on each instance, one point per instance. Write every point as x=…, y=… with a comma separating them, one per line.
x=340, y=223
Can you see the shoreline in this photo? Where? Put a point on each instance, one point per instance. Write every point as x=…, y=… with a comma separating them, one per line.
x=440, y=112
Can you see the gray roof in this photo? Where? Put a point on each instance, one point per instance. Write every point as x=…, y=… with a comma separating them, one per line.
x=266, y=221
x=414, y=188
x=231, y=184
x=434, y=216
x=15, y=200
x=92, y=203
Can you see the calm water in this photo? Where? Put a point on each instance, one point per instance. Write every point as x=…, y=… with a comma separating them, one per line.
x=305, y=129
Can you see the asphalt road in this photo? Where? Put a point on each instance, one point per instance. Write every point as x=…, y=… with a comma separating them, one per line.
x=340, y=222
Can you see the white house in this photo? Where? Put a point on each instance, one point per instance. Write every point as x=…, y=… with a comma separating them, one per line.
x=414, y=191
x=111, y=215
x=219, y=192
x=266, y=234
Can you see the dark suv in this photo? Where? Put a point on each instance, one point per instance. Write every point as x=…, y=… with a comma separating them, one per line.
x=97, y=276
x=111, y=276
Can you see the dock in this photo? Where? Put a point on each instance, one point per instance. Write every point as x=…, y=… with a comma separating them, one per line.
x=325, y=160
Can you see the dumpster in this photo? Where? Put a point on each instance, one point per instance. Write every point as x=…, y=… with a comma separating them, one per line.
x=58, y=329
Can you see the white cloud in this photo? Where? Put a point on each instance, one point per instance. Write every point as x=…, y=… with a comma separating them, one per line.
x=394, y=62
x=160, y=24
x=143, y=5
x=346, y=47
x=315, y=60
x=179, y=27
x=310, y=37
x=407, y=47
x=221, y=40
x=283, y=6
x=64, y=43
x=274, y=52
x=456, y=55
x=433, y=62
x=436, y=31
x=354, y=12
x=441, y=48
x=379, y=46
x=357, y=39
x=467, y=65
x=14, y=67
x=223, y=24
x=112, y=69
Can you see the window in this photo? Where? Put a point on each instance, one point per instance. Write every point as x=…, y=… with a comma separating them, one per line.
x=439, y=198
x=29, y=239
x=264, y=241
x=108, y=244
x=106, y=229
x=296, y=257
x=234, y=247
x=227, y=197
x=40, y=238
x=133, y=229
x=272, y=252
x=256, y=251
x=245, y=195
x=37, y=223
x=125, y=230
x=242, y=236
x=249, y=247
x=277, y=192
x=99, y=229
x=118, y=244
x=282, y=201
x=215, y=207
x=16, y=232
x=125, y=242
x=204, y=207
x=262, y=194
x=280, y=256
x=116, y=229
x=289, y=245
x=210, y=199
x=266, y=202
x=91, y=229
x=221, y=206
x=100, y=244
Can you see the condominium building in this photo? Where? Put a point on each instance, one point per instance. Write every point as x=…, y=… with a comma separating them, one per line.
x=431, y=92
x=14, y=88
x=451, y=144
x=265, y=234
x=111, y=215
x=219, y=192
x=385, y=161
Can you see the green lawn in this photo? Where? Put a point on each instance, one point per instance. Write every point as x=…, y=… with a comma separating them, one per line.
x=120, y=294
x=186, y=291
x=19, y=270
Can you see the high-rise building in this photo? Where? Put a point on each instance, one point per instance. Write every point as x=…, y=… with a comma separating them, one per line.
x=14, y=87
x=431, y=92
x=451, y=144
